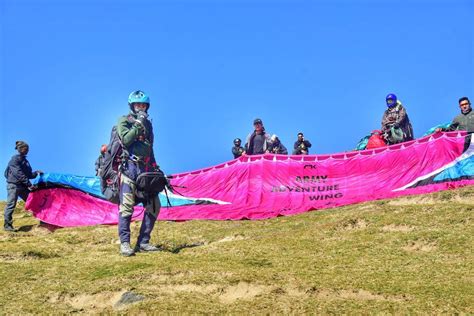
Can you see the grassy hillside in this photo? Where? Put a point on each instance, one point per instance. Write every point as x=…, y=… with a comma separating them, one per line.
x=410, y=255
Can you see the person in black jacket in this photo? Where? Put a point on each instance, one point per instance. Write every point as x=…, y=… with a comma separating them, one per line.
x=237, y=150
x=301, y=146
x=18, y=174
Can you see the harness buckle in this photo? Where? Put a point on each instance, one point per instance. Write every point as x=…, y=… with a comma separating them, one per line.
x=135, y=158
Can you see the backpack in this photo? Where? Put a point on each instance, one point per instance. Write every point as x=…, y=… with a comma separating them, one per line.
x=376, y=140
x=362, y=144
x=109, y=171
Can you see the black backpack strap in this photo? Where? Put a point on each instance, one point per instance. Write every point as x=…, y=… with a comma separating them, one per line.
x=167, y=197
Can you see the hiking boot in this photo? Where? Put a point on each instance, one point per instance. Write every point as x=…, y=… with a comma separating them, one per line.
x=9, y=228
x=126, y=250
x=146, y=248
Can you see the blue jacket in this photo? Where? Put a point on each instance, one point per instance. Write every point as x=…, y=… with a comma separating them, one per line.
x=19, y=171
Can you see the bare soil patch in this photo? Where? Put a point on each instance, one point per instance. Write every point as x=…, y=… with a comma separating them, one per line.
x=242, y=291
x=231, y=238
x=420, y=245
x=203, y=289
x=98, y=302
x=356, y=223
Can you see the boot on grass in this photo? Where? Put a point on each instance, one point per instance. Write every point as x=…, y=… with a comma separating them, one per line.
x=146, y=248
x=126, y=250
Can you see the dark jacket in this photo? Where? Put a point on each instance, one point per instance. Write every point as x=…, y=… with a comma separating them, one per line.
x=19, y=171
x=237, y=151
x=463, y=122
x=249, y=145
x=278, y=148
x=301, y=145
x=398, y=118
x=137, y=140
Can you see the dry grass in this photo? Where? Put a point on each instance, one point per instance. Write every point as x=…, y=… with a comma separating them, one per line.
x=411, y=255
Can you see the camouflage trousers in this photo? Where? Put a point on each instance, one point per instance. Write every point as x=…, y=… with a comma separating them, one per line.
x=128, y=199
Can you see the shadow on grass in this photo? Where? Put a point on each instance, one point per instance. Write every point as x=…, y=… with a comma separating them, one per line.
x=25, y=228
x=28, y=228
x=178, y=248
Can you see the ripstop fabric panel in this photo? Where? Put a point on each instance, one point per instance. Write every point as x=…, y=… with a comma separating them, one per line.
x=91, y=185
x=265, y=186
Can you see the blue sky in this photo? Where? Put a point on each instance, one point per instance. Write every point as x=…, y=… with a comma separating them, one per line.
x=211, y=67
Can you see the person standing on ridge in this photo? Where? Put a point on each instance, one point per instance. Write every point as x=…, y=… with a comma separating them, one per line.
x=258, y=142
x=136, y=134
x=301, y=146
x=396, y=125
x=465, y=120
x=18, y=174
x=237, y=150
x=100, y=160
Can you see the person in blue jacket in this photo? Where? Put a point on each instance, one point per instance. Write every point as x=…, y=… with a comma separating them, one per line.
x=18, y=174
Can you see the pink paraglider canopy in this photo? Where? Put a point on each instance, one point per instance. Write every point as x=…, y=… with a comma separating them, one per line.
x=259, y=187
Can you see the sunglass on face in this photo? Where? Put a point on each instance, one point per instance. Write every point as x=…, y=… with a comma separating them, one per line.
x=463, y=104
x=140, y=106
x=390, y=101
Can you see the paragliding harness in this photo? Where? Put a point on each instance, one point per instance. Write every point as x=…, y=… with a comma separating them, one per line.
x=395, y=135
x=116, y=156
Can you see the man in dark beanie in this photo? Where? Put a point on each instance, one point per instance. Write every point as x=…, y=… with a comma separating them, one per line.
x=18, y=174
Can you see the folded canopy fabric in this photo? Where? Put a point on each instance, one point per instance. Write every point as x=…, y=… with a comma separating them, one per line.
x=265, y=186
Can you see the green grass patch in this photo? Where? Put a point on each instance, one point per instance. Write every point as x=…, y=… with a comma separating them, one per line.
x=404, y=256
